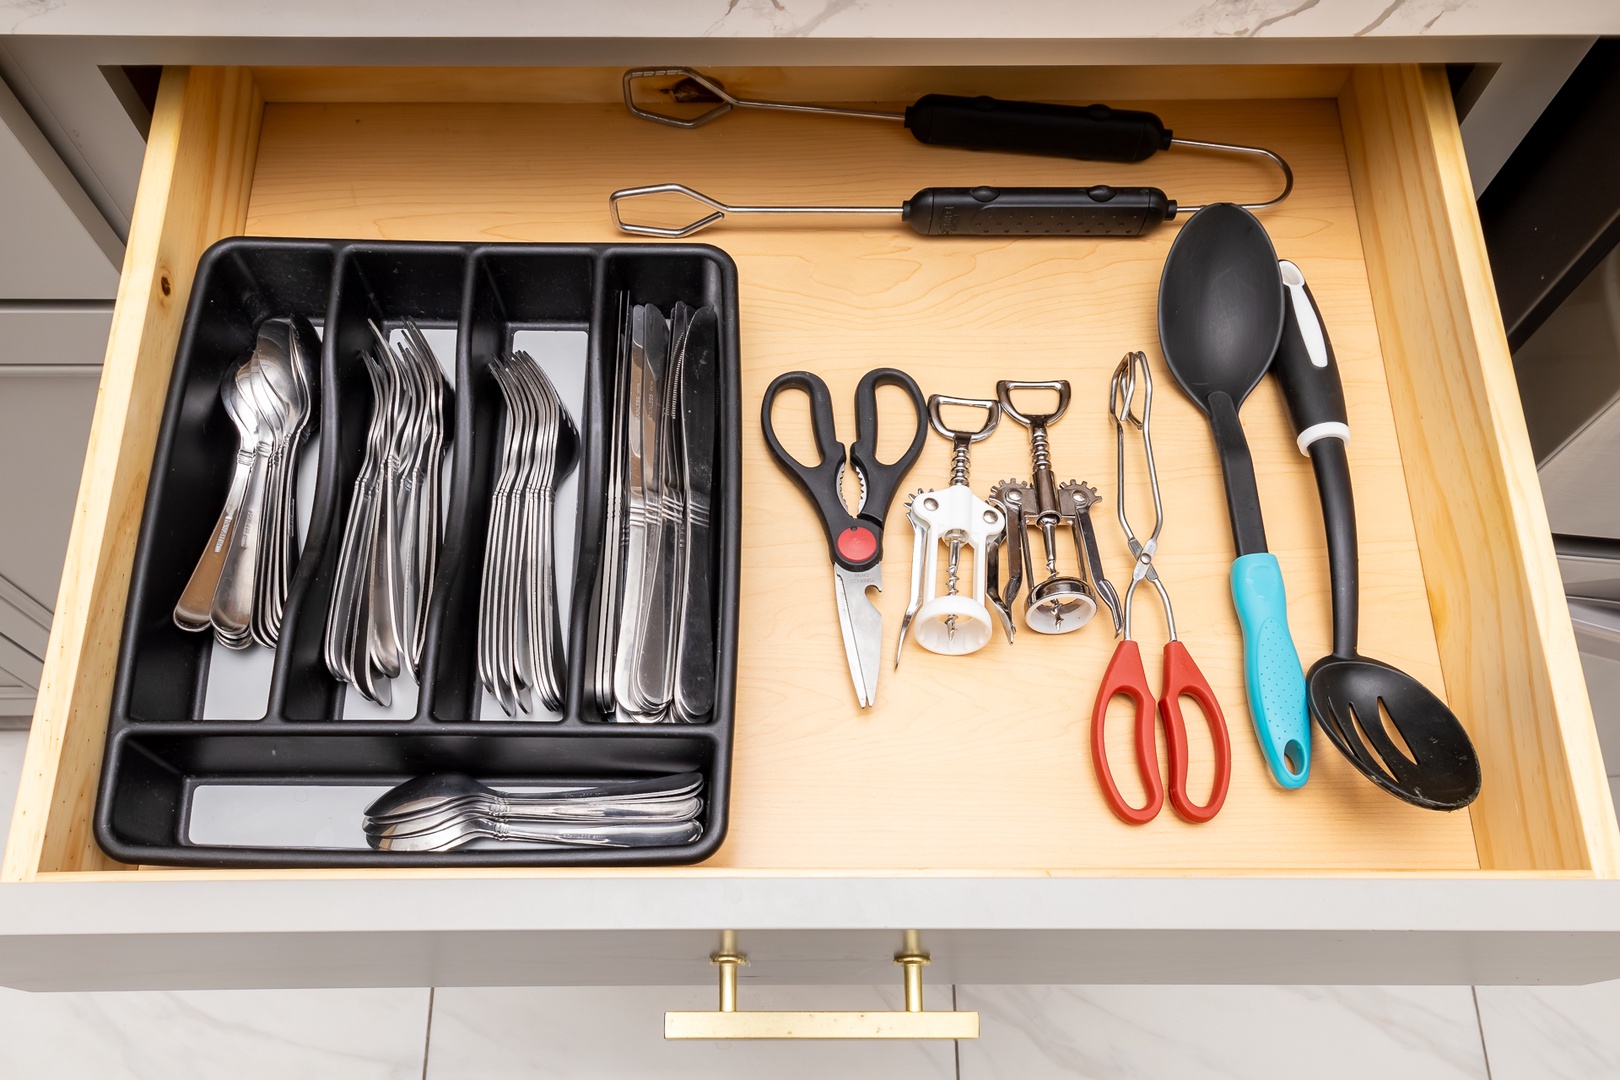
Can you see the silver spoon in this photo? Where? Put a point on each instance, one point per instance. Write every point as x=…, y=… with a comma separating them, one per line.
x=271, y=385
x=279, y=398
x=192, y=612
x=232, y=611
x=466, y=830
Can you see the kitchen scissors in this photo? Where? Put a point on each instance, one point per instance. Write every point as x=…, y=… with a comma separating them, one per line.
x=854, y=541
x=1125, y=674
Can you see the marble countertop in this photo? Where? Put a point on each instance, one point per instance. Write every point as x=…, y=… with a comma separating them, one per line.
x=954, y=20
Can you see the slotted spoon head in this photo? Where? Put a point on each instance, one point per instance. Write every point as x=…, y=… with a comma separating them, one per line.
x=1437, y=769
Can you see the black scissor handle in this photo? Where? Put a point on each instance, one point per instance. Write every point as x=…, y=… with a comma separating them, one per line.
x=883, y=479
x=820, y=481
x=854, y=541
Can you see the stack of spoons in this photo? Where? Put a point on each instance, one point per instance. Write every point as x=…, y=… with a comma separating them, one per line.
x=239, y=587
x=445, y=811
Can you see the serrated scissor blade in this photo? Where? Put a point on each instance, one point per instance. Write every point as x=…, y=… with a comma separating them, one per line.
x=862, y=626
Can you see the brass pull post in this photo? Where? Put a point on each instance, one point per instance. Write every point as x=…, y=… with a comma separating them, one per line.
x=728, y=962
x=912, y=964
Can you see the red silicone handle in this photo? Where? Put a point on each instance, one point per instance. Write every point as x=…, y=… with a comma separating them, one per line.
x=1181, y=676
x=1126, y=676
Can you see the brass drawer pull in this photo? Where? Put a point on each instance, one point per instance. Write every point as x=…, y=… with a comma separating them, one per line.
x=729, y=1023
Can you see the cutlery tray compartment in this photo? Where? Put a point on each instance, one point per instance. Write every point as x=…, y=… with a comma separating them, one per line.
x=175, y=724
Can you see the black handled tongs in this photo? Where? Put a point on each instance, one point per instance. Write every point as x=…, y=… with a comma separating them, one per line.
x=1083, y=132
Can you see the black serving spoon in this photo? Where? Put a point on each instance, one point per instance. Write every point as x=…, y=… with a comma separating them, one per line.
x=1220, y=317
x=1349, y=693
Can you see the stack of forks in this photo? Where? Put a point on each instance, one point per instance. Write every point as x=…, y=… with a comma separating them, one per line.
x=384, y=583
x=520, y=643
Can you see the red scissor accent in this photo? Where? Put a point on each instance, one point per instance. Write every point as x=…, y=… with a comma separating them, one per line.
x=1183, y=679
x=1126, y=676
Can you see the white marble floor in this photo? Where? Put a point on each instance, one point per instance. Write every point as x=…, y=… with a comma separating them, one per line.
x=615, y=1033
x=1030, y=1033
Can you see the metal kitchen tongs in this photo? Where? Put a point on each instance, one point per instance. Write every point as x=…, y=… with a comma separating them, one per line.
x=1083, y=132
x=1125, y=676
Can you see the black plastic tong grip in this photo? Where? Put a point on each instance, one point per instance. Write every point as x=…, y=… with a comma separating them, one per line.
x=854, y=541
x=1100, y=210
x=1084, y=132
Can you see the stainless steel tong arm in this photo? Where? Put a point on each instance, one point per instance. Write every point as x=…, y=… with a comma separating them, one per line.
x=719, y=210
x=725, y=101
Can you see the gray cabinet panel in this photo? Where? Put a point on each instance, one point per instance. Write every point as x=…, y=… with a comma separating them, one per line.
x=55, y=334
x=54, y=243
x=44, y=426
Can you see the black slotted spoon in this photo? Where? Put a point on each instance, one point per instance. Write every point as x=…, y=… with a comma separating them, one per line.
x=1350, y=694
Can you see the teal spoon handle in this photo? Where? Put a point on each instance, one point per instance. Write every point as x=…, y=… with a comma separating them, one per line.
x=1271, y=668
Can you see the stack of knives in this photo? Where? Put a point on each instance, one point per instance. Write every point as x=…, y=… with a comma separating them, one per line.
x=654, y=658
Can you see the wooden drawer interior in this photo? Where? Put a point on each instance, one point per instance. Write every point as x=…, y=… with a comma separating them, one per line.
x=975, y=764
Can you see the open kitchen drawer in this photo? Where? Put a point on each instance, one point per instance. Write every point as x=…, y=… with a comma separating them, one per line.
x=963, y=805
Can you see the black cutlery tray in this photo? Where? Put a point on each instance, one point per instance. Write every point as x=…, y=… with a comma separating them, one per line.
x=159, y=747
